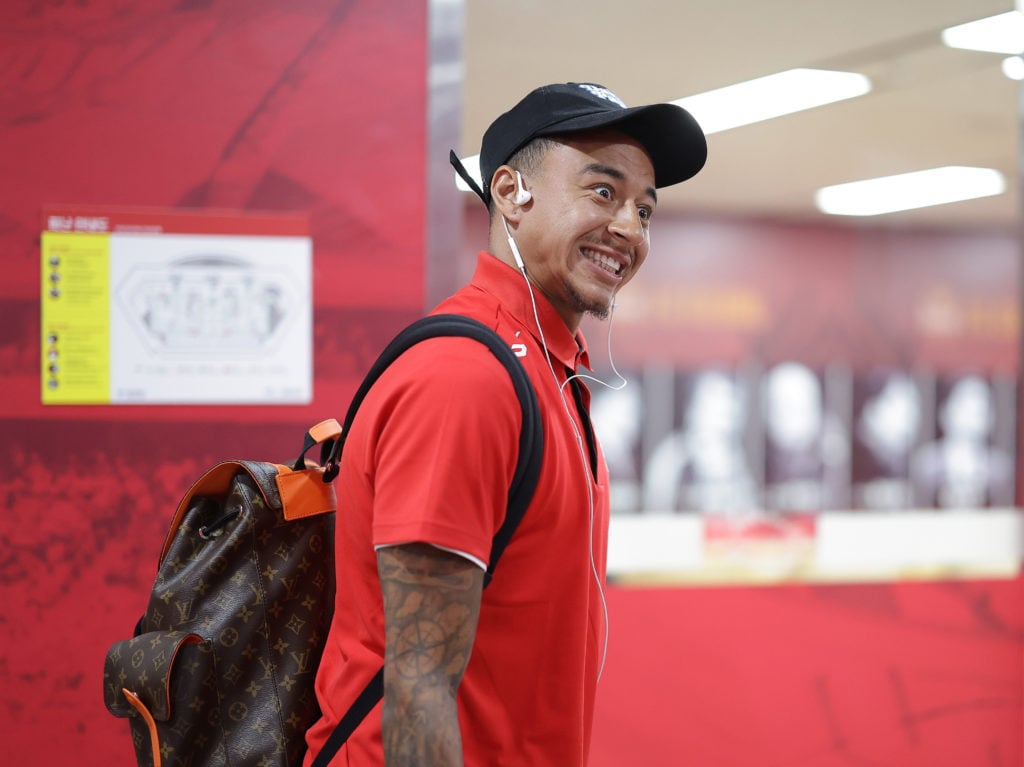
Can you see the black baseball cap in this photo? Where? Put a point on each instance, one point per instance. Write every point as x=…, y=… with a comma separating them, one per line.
x=672, y=138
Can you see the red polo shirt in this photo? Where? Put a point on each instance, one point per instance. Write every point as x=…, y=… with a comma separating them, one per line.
x=430, y=458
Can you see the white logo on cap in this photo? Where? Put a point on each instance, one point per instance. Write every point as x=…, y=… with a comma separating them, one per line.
x=603, y=93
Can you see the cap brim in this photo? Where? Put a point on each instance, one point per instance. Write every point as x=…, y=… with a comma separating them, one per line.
x=673, y=139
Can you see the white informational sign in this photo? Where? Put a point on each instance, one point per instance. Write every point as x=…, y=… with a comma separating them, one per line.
x=133, y=315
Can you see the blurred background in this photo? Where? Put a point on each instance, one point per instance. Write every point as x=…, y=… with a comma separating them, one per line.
x=816, y=542
x=787, y=356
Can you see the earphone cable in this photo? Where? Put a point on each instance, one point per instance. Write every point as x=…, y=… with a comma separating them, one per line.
x=579, y=440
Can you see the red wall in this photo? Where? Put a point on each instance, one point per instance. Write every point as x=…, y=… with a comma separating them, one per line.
x=316, y=107
x=729, y=291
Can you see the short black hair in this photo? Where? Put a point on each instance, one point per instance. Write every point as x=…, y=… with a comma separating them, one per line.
x=528, y=158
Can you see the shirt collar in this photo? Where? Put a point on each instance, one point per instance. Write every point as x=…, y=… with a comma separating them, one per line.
x=494, y=276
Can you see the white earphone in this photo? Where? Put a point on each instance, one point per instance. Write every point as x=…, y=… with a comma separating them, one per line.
x=523, y=196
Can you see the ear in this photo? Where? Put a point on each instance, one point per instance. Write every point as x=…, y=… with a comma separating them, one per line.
x=503, y=193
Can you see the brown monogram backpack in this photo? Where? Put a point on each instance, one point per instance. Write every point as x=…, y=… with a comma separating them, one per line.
x=220, y=669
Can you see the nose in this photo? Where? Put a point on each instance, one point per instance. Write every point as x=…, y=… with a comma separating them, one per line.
x=628, y=225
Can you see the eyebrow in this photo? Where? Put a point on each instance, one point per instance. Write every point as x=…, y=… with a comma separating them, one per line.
x=607, y=170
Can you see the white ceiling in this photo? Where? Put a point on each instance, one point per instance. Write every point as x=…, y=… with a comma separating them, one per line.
x=930, y=106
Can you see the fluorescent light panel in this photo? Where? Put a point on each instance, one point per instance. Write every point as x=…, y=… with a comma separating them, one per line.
x=772, y=96
x=906, y=191
x=1003, y=33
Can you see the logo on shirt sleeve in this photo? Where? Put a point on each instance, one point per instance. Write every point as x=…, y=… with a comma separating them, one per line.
x=518, y=349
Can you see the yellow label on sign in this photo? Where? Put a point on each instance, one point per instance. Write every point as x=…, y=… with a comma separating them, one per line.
x=75, y=318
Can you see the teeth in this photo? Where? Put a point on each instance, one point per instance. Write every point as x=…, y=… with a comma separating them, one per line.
x=603, y=261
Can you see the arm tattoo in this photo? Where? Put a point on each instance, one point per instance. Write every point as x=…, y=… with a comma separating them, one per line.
x=431, y=608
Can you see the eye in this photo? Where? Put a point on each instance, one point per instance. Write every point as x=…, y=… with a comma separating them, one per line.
x=604, y=191
x=645, y=212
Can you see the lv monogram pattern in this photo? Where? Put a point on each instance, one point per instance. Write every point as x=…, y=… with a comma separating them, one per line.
x=227, y=651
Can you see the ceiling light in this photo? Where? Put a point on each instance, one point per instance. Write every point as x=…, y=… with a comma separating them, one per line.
x=906, y=191
x=1013, y=67
x=772, y=96
x=1003, y=33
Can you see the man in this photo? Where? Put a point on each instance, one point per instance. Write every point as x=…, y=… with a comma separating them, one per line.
x=506, y=675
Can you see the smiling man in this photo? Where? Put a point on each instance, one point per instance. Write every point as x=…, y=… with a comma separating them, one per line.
x=584, y=232
x=505, y=675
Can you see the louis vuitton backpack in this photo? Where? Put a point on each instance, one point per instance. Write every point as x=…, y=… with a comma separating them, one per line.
x=221, y=666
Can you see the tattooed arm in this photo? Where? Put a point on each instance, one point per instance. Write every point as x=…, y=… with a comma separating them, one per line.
x=431, y=607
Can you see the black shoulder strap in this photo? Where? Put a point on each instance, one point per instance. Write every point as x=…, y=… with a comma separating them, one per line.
x=524, y=480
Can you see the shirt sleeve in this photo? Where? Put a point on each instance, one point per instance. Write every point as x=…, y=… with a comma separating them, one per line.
x=479, y=563
x=447, y=441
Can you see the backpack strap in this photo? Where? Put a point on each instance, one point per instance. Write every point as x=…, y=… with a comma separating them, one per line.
x=520, y=493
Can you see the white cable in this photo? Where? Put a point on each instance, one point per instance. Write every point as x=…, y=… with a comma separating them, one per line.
x=576, y=432
x=623, y=381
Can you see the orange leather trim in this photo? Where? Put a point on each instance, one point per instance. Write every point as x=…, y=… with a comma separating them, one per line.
x=216, y=481
x=139, y=706
x=325, y=430
x=305, y=494
x=186, y=640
